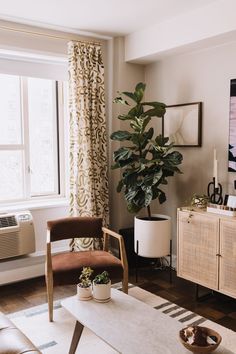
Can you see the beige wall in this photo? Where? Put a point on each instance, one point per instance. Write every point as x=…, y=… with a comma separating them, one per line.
x=125, y=78
x=198, y=76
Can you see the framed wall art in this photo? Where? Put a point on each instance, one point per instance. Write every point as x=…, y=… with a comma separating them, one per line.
x=232, y=127
x=182, y=123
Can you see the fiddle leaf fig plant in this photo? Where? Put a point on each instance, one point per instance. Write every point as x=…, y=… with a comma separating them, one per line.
x=145, y=161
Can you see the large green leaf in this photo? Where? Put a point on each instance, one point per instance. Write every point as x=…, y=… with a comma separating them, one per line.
x=149, y=134
x=160, y=140
x=125, y=117
x=130, y=95
x=136, y=111
x=136, y=139
x=139, y=199
x=139, y=91
x=145, y=141
x=121, y=101
x=161, y=197
x=146, y=120
x=130, y=195
x=152, y=179
x=174, y=158
x=121, y=135
x=148, y=161
x=126, y=162
x=133, y=208
x=130, y=180
x=141, y=167
x=154, y=104
x=122, y=154
x=137, y=124
x=157, y=111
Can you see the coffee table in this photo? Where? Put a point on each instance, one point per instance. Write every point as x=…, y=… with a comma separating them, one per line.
x=128, y=325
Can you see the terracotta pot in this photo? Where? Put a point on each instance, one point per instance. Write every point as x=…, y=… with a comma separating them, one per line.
x=102, y=292
x=84, y=293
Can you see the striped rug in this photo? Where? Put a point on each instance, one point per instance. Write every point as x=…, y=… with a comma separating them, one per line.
x=55, y=337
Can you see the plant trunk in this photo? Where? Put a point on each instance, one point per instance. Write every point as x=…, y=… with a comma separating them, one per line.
x=149, y=212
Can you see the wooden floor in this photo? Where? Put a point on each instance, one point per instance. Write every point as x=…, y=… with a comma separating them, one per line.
x=218, y=308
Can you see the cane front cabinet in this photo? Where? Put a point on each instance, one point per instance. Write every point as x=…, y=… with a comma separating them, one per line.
x=207, y=250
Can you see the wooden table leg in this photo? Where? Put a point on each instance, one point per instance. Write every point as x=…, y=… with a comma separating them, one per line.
x=76, y=337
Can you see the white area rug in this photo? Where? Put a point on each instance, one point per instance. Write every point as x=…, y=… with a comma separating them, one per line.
x=55, y=337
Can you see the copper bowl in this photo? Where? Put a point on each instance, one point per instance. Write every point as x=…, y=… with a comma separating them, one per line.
x=199, y=349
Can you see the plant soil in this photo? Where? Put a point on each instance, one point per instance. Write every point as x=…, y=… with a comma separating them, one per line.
x=152, y=218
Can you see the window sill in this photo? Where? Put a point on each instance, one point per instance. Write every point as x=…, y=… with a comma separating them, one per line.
x=35, y=204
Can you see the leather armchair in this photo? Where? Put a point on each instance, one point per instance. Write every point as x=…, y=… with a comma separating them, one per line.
x=12, y=340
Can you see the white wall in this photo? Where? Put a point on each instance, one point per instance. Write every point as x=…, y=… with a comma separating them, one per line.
x=198, y=76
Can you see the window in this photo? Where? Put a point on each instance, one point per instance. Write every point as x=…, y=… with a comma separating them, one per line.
x=29, y=153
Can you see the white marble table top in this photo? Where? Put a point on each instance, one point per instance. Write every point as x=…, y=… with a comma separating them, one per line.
x=129, y=325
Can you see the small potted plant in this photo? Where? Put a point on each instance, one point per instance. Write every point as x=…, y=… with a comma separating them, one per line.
x=102, y=287
x=84, y=288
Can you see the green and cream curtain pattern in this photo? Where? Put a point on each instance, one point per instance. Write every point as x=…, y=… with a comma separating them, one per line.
x=88, y=142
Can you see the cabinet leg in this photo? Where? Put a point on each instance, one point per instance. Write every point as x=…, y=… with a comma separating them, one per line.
x=202, y=297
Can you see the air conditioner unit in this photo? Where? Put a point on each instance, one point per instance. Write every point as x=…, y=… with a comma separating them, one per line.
x=17, y=236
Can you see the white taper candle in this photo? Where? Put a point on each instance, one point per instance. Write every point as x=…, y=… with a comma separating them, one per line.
x=215, y=169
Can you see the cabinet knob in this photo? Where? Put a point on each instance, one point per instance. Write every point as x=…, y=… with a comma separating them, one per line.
x=189, y=218
x=218, y=255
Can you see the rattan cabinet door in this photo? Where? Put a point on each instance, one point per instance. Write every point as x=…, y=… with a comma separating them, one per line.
x=227, y=283
x=198, y=246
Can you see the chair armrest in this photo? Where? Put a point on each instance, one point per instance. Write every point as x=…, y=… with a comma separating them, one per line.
x=48, y=265
x=48, y=238
x=107, y=233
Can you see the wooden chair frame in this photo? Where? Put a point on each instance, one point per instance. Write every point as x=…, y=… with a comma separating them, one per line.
x=106, y=236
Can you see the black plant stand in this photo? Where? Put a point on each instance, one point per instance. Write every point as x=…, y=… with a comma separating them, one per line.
x=128, y=237
x=137, y=261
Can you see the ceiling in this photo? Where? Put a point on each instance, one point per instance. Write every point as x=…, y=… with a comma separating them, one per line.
x=109, y=17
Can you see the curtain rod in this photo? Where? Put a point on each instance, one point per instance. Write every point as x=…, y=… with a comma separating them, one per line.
x=52, y=36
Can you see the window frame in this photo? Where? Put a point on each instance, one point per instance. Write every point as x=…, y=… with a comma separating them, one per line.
x=24, y=147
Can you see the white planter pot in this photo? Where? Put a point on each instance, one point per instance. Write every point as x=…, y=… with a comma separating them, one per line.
x=84, y=293
x=153, y=236
x=102, y=292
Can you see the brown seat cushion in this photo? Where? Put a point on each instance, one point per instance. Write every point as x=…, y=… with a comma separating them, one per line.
x=67, y=266
x=12, y=340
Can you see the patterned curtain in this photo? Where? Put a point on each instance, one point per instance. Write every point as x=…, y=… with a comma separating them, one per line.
x=88, y=142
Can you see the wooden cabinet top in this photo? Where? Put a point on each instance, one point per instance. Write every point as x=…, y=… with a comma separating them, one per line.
x=205, y=212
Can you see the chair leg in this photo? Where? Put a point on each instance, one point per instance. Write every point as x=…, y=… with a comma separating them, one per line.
x=49, y=283
x=125, y=282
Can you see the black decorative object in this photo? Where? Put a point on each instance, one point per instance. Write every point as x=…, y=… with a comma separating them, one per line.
x=215, y=193
x=232, y=117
